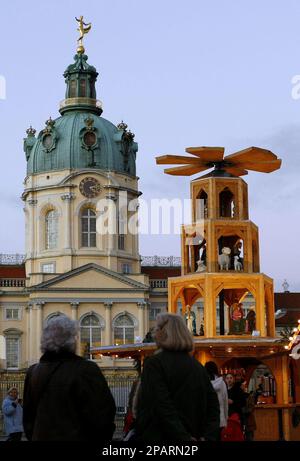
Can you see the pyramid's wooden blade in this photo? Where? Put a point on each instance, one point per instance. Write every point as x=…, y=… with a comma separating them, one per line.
x=178, y=159
x=207, y=154
x=263, y=167
x=251, y=154
x=185, y=170
x=236, y=171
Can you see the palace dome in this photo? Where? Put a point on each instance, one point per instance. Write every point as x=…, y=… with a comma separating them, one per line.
x=80, y=138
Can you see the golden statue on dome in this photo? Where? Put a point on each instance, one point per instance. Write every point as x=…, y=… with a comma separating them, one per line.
x=83, y=29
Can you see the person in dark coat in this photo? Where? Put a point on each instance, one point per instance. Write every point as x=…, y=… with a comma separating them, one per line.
x=236, y=397
x=66, y=398
x=176, y=400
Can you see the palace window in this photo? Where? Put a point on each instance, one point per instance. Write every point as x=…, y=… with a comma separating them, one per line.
x=72, y=90
x=82, y=87
x=12, y=313
x=88, y=228
x=155, y=309
x=48, y=268
x=51, y=229
x=121, y=228
x=90, y=334
x=123, y=330
x=53, y=316
x=12, y=352
x=126, y=268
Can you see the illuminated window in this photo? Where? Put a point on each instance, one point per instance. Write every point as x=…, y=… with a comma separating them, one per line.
x=90, y=333
x=123, y=330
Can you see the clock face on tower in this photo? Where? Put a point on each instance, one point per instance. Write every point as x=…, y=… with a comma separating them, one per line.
x=90, y=187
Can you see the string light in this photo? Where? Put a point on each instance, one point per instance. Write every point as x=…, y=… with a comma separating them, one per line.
x=295, y=337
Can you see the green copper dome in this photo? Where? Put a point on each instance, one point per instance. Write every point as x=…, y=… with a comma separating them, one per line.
x=80, y=138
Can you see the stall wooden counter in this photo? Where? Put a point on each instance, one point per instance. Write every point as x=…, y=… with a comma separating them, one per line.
x=275, y=422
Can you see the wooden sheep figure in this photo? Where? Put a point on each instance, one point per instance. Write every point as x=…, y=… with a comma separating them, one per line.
x=224, y=259
x=237, y=264
x=201, y=266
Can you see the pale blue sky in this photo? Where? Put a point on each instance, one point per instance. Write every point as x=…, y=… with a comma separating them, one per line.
x=180, y=74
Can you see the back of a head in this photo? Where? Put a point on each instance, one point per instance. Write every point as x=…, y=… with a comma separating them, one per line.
x=212, y=369
x=60, y=334
x=172, y=333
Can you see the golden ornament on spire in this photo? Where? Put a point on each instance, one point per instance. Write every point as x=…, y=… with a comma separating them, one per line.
x=83, y=29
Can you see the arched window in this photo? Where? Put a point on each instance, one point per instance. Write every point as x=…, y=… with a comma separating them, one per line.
x=53, y=316
x=121, y=228
x=202, y=206
x=123, y=330
x=90, y=333
x=51, y=229
x=88, y=228
x=227, y=203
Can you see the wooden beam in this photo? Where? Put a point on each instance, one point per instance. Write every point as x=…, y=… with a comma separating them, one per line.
x=178, y=159
x=185, y=170
x=210, y=154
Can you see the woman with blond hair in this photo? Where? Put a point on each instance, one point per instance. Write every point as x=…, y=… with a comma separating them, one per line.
x=176, y=399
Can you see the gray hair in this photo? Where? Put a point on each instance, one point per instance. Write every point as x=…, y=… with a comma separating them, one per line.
x=172, y=333
x=60, y=333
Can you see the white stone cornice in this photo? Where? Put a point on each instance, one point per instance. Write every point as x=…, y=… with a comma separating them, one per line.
x=141, y=305
x=40, y=304
x=32, y=202
x=74, y=305
x=108, y=305
x=68, y=196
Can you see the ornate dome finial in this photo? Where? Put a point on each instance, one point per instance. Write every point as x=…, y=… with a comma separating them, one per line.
x=83, y=28
x=122, y=126
x=30, y=131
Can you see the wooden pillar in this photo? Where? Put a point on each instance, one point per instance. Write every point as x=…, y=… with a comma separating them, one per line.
x=184, y=253
x=213, y=205
x=172, y=297
x=240, y=200
x=201, y=356
x=209, y=308
x=285, y=391
x=270, y=309
x=260, y=306
x=248, y=267
x=210, y=248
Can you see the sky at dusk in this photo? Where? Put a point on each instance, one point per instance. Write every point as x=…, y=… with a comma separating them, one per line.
x=180, y=74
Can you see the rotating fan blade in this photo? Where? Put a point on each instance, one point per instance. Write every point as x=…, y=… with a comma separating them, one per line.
x=251, y=154
x=236, y=171
x=262, y=167
x=185, y=170
x=207, y=154
x=177, y=159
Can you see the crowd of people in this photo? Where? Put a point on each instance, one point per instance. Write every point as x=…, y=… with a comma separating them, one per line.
x=175, y=398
